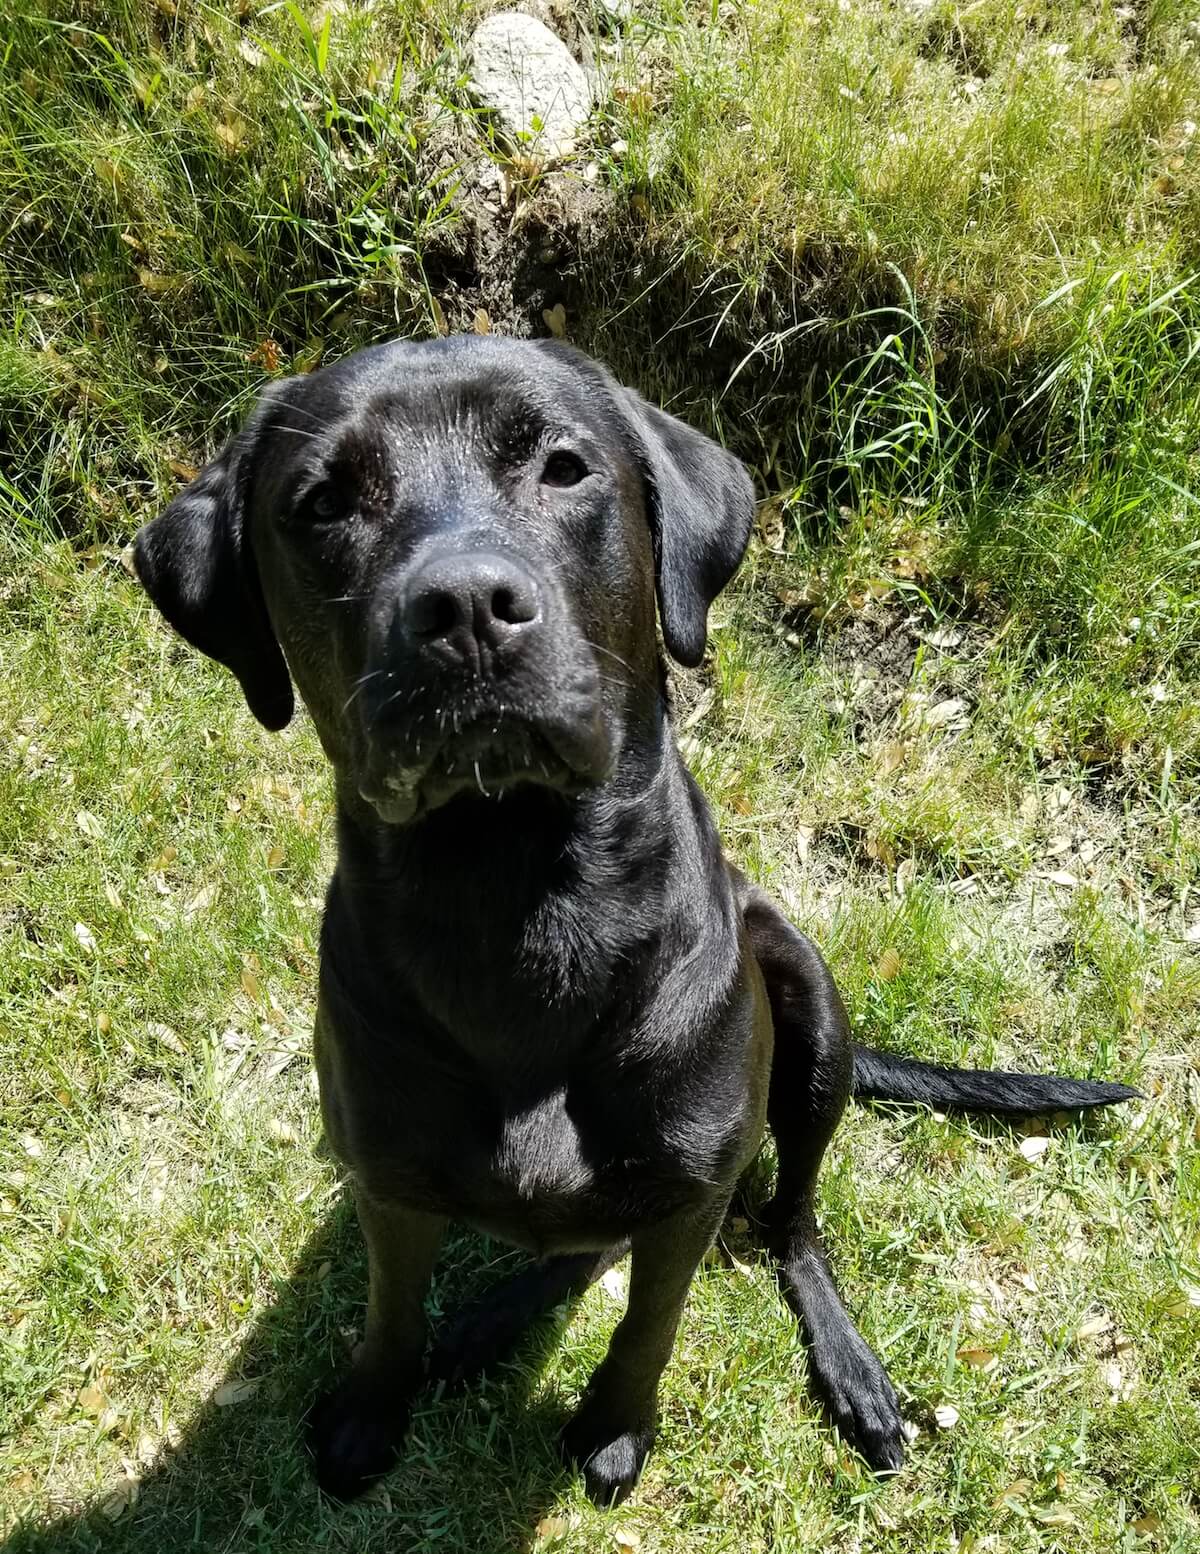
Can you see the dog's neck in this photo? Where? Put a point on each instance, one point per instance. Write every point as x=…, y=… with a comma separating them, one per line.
x=522, y=915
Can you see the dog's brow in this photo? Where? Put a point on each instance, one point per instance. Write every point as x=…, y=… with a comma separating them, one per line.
x=503, y=415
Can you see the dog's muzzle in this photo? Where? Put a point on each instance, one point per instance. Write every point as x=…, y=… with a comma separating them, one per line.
x=478, y=681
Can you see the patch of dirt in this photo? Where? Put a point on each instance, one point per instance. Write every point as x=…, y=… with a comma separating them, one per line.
x=876, y=651
x=515, y=250
x=884, y=641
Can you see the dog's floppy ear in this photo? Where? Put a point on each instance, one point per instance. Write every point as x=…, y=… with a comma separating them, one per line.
x=195, y=563
x=701, y=505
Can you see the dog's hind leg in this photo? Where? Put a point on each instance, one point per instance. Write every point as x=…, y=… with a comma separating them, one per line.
x=488, y=1329
x=810, y=1084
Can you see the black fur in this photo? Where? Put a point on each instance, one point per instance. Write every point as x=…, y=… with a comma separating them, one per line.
x=547, y=1005
x=195, y=565
x=881, y=1076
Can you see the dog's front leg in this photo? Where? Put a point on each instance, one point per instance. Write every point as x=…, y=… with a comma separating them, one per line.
x=355, y=1431
x=612, y=1430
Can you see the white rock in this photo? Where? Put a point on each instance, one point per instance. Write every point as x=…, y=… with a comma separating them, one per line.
x=527, y=77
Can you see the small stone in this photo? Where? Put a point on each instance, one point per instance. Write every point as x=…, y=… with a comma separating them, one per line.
x=236, y=1391
x=614, y=1284
x=528, y=78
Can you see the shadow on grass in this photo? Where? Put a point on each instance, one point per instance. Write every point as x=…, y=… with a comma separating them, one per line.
x=480, y=1467
x=479, y=1470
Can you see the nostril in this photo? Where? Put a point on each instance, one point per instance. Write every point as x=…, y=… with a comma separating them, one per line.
x=461, y=604
x=434, y=614
x=513, y=609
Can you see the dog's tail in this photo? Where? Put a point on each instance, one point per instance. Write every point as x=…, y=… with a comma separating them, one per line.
x=880, y=1076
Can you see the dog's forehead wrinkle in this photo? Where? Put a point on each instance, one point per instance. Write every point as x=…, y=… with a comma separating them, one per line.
x=492, y=411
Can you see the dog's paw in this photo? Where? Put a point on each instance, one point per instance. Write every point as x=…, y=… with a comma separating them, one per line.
x=354, y=1435
x=479, y=1338
x=462, y=1354
x=862, y=1403
x=612, y=1457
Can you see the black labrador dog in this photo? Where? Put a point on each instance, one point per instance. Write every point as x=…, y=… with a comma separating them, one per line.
x=548, y=1005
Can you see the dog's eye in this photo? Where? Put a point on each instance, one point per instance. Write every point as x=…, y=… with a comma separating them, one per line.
x=563, y=469
x=324, y=504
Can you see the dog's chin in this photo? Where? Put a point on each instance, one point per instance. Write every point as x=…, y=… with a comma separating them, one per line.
x=483, y=762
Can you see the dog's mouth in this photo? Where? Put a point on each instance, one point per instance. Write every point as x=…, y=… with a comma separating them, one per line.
x=486, y=756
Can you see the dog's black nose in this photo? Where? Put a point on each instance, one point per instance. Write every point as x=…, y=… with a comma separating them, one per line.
x=466, y=605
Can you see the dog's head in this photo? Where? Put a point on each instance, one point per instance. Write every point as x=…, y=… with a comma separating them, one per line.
x=449, y=547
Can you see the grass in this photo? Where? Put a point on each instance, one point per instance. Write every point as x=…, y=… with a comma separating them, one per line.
x=941, y=293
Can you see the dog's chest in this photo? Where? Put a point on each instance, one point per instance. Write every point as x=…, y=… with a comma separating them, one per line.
x=540, y=1152
x=552, y=1172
